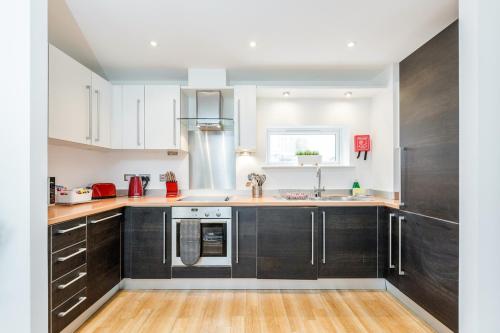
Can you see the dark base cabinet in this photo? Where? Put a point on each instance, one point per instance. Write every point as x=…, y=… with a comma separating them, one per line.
x=104, y=253
x=429, y=263
x=287, y=243
x=147, y=243
x=347, y=242
x=244, y=242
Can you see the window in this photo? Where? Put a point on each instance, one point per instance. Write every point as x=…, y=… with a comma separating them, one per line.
x=284, y=143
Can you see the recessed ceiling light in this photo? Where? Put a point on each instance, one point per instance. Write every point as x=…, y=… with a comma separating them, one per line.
x=252, y=44
x=286, y=93
x=348, y=94
x=153, y=43
x=351, y=44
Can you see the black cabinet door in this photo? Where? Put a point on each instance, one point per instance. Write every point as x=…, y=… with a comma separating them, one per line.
x=430, y=265
x=429, y=125
x=388, y=241
x=244, y=242
x=287, y=243
x=147, y=243
x=348, y=242
x=104, y=253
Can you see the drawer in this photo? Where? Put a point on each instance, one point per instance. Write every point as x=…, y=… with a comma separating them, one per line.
x=69, y=259
x=68, y=285
x=68, y=233
x=104, y=228
x=63, y=315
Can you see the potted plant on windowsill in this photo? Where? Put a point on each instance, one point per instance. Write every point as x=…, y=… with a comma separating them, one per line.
x=308, y=157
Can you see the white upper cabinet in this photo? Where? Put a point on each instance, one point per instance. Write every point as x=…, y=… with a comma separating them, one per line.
x=245, y=118
x=70, y=99
x=101, y=111
x=162, y=126
x=133, y=117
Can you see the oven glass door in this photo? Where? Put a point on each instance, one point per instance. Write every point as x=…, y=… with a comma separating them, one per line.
x=213, y=239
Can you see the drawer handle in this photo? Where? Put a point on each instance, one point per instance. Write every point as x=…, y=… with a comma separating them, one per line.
x=105, y=218
x=72, y=255
x=63, y=231
x=80, y=301
x=64, y=286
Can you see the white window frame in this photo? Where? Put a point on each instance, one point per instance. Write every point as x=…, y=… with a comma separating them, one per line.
x=338, y=131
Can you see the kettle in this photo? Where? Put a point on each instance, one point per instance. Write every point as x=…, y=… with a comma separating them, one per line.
x=137, y=186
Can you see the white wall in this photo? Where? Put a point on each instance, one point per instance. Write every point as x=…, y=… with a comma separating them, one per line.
x=479, y=27
x=354, y=114
x=75, y=166
x=23, y=140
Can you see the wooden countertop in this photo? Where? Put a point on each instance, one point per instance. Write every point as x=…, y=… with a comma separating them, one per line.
x=62, y=213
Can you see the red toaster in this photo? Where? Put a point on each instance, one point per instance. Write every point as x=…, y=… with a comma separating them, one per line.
x=103, y=191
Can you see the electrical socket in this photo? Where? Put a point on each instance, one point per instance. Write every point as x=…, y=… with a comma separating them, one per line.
x=126, y=177
x=163, y=177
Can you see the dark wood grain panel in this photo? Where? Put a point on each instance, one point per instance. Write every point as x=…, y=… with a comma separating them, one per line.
x=429, y=124
x=350, y=242
x=198, y=272
x=284, y=243
x=245, y=237
x=430, y=263
x=77, y=258
x=59, y=322
x=145, y=242
x=62, y=239
x=68, y=285
x=104, y=254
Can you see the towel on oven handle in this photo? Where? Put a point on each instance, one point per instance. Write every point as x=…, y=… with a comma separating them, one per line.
x=190, y=234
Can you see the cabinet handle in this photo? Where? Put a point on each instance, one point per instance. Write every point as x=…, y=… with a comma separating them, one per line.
x=324, y=237
x=98, y=94
x=80, y=301
x=80, y=250
x=63, y=231
x=138, y=122
x=312, y=238
x=164, y=236
x=239, y=122
x=64, y=286
x=175, y=124
x=401, y=272
x=105, y=218
x=89, y=137
x=391, y=215
x=237, y=236
x=402, y=195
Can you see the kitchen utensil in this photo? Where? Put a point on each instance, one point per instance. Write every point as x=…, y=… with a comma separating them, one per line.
x=103, y=190
x=171, y=184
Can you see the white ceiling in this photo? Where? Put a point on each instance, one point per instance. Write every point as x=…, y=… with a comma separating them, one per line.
x=291, y=35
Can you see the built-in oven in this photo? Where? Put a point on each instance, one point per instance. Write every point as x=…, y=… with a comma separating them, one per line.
x=215, y=234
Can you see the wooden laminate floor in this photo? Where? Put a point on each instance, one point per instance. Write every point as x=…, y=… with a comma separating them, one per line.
x=254, y=311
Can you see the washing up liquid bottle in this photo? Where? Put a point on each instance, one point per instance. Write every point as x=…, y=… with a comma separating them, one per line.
x=356, y=188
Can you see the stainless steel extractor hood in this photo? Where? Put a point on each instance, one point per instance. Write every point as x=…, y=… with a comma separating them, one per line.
x=209, y=110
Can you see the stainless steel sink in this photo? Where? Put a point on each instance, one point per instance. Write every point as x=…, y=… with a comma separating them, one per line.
x=333, y=198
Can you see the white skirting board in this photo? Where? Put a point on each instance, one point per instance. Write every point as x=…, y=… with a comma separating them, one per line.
x=418, y=310
x=252, y=284
x=75, y=324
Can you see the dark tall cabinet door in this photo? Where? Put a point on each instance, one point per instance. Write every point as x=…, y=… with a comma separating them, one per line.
x=104, y=253
x=244, y=242
x=430, y=265
x=429, y=120
x=287, y=243
x=388, y=244
x=147, y=243
x=347, y=242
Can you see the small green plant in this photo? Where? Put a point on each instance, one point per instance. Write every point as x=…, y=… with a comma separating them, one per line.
x=307, y=153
